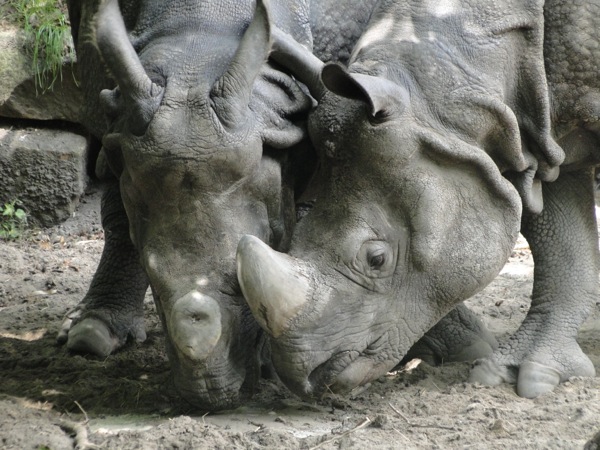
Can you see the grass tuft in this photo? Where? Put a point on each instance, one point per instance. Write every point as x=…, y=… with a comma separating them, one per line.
x=48, y=37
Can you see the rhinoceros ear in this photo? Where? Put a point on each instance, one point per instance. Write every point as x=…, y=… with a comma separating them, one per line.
x=231, y=92
x=384, y=97
x=305, y=66
x=140, y=96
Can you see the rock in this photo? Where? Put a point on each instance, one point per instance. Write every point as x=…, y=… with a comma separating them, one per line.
x=43, y=168
x=19, y=97
x=14, y=66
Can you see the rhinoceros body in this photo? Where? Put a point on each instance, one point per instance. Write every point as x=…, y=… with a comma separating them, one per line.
x=455, y=125
x=185, y=233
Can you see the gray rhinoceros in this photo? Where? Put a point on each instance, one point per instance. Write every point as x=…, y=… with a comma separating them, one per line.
x=197, y=126
x=112, y=309
x=455, y=125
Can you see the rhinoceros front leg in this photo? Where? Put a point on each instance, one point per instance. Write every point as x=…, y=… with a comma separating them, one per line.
x=112, y=310
x=564, y=243
x=459, y=336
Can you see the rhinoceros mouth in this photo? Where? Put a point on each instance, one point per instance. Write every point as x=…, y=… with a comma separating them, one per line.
x=221, y=381
x=324, y=376
x=210, y=392
x=349, y=369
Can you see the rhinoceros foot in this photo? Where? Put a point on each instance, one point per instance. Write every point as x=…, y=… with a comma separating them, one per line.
x=487, y=372
x=98, y=332
x=91, y=336
x=532, y=380
x=459, y=336
x=536, y=379
x=536, y=373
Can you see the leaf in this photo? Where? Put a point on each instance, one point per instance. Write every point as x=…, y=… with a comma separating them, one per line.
x=9, y=210
x=20, y=214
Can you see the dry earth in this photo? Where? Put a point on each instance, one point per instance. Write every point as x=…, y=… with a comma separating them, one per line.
x=52, y=399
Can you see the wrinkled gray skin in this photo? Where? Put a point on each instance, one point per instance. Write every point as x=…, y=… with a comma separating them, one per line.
x=455, y=125
x=196, y=131
x=112, y=312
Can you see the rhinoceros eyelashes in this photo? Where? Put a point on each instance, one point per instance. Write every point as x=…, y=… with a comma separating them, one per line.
x=381, y=116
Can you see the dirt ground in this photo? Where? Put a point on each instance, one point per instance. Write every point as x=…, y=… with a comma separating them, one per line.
x=52, y=399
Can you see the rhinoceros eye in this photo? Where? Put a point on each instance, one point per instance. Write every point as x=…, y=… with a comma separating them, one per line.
x=383, y=115
x=375, y=258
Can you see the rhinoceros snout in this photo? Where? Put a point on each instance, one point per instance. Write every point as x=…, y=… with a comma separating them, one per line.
x=212, y=353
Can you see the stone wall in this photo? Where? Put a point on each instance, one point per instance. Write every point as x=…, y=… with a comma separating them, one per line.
x=44, y=168
x=43, y=152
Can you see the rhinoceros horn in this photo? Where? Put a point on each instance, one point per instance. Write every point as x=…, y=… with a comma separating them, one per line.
x=142, y=95
x=274, y=287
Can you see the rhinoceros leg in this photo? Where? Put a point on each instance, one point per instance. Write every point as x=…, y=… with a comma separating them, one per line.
x=112, y=309
x=459, y=336
x=564, y=243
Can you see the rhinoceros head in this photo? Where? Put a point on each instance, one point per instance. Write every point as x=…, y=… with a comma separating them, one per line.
x=408, y=221
x=194, y=107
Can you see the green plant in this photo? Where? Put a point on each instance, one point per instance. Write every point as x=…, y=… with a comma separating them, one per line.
x=13, y=220
x=48, y=36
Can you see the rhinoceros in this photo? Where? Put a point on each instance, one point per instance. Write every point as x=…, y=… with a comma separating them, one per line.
x=112, y=310
x=455, y=125
x=198, y=124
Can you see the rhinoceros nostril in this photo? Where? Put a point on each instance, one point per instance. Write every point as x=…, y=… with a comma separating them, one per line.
x=198, y=318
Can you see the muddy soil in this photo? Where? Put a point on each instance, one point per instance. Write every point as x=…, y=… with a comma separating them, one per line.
x=50, y=398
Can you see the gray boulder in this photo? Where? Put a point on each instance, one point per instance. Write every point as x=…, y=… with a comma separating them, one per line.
x=19, y=97
x=44, y=169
